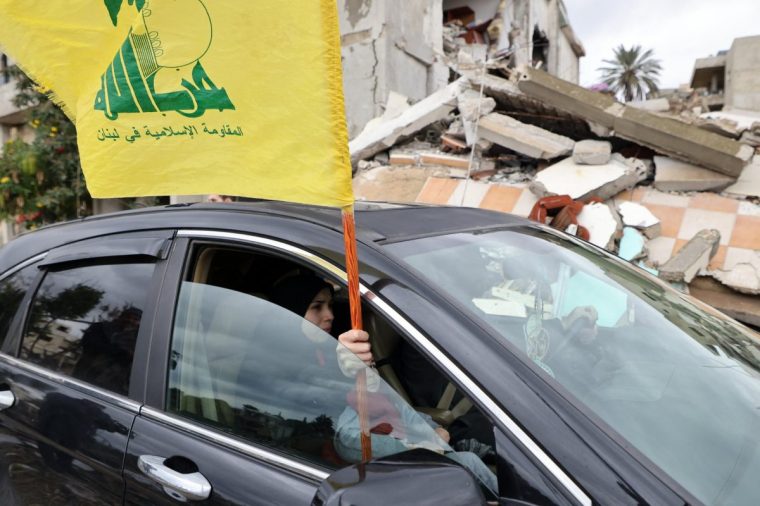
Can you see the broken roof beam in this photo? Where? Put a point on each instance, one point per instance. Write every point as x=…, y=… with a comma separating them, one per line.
x=665, y=135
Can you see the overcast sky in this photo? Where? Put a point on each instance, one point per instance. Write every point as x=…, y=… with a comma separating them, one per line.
x=679, y=31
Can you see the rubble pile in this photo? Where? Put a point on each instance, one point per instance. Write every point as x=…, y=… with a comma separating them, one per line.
x=675, y=195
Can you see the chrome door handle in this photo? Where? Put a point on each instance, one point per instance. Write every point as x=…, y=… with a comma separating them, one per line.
x=182, y=487
x=7, y=399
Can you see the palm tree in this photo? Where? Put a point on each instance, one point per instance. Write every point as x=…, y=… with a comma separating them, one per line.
x=632, y=74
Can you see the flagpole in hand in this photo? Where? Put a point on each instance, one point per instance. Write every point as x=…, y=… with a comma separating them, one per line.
x=354, y=298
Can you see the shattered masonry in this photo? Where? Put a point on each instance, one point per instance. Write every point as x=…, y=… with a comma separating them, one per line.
x=648, y=175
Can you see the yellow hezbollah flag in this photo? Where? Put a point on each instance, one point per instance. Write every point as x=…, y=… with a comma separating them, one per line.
x=182, y=97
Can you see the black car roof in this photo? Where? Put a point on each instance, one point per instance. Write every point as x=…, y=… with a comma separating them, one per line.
x=375, y=222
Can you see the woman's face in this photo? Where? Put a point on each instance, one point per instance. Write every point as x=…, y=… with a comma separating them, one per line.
x=320, y=310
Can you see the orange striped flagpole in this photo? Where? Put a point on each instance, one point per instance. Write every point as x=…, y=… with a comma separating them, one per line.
x=354, y=299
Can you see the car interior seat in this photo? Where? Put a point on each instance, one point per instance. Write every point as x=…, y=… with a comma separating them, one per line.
x=385, y=342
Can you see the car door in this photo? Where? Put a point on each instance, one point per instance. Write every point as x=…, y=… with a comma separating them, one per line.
x=67, y=401
x=204, y=433
x=215, y=429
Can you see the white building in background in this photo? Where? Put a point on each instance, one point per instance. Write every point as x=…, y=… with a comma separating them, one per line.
x=731, y=79
x=12, y=119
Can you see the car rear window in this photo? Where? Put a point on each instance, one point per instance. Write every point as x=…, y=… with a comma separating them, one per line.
x=12, y=291
x=84, y=322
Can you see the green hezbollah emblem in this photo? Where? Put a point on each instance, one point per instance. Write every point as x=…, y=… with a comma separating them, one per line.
x=140, y=72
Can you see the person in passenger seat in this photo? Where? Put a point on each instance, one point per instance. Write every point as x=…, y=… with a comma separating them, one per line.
x=311, y=298
x=394, y=425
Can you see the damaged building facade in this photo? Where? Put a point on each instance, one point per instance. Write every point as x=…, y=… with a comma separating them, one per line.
x=405, y=46
x=676, y=197
x=731, y=78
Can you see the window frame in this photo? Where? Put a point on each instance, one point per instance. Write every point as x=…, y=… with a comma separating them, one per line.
x=99, y=254
x=12, y=343
x=180, y=262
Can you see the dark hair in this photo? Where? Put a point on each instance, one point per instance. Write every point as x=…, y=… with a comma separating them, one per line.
x=296, y=292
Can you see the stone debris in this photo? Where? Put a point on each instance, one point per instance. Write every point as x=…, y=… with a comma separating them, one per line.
x=692, y=258
x=751, y=138
x=603, y=224
x=675, y=175
x=471, y=108
x=632, y=245
x=592, y=152
x=383, y=135
x=637, y=216
x=654, y=105
x=744, y=275
x=522, y=138
x=521, y=134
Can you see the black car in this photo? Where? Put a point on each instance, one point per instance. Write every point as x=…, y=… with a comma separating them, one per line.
x=144, y=362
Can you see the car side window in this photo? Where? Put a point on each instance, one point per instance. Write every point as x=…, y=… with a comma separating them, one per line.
x=84, y=322
x=12, y=291
x=247, y=366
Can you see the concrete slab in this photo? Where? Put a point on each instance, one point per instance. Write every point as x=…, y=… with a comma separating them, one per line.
x=472, y=107
x=692, y=258
x=381, y=136
x=586, y=181
x=525, y=139
x=675, y=175
x=665, y=135
x=592, y=152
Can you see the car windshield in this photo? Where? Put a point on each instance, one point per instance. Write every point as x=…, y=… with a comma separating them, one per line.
x=676, y=378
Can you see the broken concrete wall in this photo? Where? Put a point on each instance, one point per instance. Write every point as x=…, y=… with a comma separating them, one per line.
x=389, y=45
x=567, y=63
x=536, y=30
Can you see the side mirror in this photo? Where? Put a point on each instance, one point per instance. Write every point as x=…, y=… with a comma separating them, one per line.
x=415, y=477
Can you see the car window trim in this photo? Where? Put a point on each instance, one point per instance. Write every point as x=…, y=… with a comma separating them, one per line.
x=68, y=381
x=420, y=339
x=26, y=263
x=126, y=247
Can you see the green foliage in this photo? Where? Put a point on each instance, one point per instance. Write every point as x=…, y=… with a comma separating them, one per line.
x=633, y=74
x=70, y=304
x=40, y=181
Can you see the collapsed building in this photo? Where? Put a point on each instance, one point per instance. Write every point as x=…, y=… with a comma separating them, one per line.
x=674, y=195
x=403, y=46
